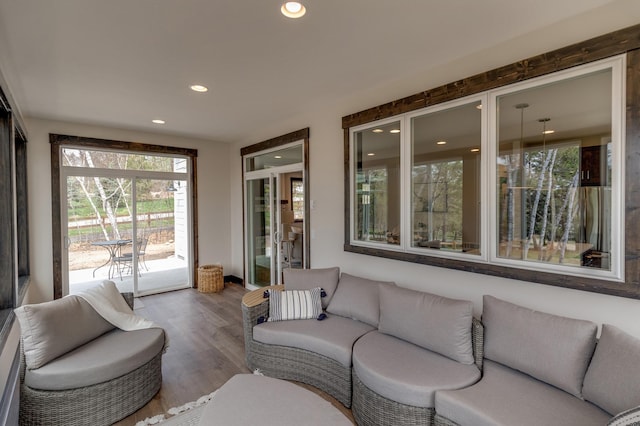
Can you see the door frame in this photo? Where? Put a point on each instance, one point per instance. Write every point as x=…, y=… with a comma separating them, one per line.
x=57, y=141
x=301, y=136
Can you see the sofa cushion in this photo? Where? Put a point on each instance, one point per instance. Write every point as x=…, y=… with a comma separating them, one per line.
x=437, y=323
x=406, y=373
x=332, y=337
x=507, y=397
x=357, y=298
x=612, y=381
x=110, y=356
x=550, y=348
x=306, y=279
x=294, y=304
x=51, y=329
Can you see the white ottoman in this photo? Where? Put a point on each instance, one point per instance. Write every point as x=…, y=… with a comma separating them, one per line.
x=248, y=399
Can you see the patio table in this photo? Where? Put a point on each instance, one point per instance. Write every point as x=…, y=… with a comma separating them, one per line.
x=113, y=247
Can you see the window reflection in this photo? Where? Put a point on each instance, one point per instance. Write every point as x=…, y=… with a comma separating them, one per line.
x=554, y=173
x=377, y=178
x=445, y=174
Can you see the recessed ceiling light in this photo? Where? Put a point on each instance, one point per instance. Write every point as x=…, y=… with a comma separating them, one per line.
x=293, y=9
x=548, y=132
x=394, y=131
x=475, y=150
x=441, y=143
x=479, y=106
x=371, y=154
x=199, y=88
x=158, y=121
x=377, y=130
x=277, y=156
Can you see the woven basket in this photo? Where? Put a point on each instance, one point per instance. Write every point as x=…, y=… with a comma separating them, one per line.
x=210, y=279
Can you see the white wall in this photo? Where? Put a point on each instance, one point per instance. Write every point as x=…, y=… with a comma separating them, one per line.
x=213, y=194
x=326, y=179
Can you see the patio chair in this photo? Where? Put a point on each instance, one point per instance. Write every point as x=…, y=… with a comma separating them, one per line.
x=125, y=260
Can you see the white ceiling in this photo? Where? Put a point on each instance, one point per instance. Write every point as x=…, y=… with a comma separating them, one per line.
x=122, y=63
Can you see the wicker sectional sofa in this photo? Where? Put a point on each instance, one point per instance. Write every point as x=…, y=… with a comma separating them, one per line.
x=398, y=356
x=78, y=369
x=367, y=317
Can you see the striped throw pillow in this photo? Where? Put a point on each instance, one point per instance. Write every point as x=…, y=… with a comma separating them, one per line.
x=294, y=304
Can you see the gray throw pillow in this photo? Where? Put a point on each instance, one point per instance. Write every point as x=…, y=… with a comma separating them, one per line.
x=306, y=279
x=612, y=381
x=357, y=298
x=551, y=348
x=51, y=329
x=433, y=322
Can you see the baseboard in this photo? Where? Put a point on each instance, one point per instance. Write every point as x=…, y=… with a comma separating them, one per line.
x=233, y=279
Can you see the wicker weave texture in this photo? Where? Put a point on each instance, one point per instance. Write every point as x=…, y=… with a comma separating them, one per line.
x=438, y=420
x=289, y=363
x=371, y=409
x=477, y=340
x=210, y=279
x=100, y=404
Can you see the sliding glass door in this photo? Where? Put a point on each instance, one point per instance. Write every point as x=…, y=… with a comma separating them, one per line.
x=261, y=234
x=127, y=220
x=274, y=215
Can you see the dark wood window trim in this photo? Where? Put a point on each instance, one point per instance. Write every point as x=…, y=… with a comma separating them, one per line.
x=303, y=135
x=14, y=223
x=625, y=41
x=57, y=141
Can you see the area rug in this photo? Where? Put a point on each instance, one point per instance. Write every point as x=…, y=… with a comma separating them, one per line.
x=185, y=415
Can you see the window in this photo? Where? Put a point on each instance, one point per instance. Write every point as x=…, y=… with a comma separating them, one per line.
x=297, y=198
x=555, y=175
x=14, y=224
x=377, y=184
x=445, y=179
x=525, y=177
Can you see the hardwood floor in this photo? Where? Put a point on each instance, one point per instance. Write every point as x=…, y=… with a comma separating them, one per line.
x=206, y=346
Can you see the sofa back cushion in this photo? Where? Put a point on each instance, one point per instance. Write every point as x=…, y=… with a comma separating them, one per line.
x=306, y=279
x=51, y=329
x=433, y=322
x=550, y=348
x=357, y=298
x=612, y=381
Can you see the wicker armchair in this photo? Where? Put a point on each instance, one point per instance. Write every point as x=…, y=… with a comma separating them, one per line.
x=99, y=404
x=291, y=363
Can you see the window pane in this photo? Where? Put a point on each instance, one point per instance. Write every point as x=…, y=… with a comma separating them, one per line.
x=445, y=179
x=74, y=157
x=554, y=173
x=281, y=157
x=377, y=180
x=297, y=198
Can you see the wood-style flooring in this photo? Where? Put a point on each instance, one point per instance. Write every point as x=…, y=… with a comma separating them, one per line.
x=206, y=346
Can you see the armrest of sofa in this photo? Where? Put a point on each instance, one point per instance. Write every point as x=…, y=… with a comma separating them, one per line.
x=254, y=306
x=477, y=338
